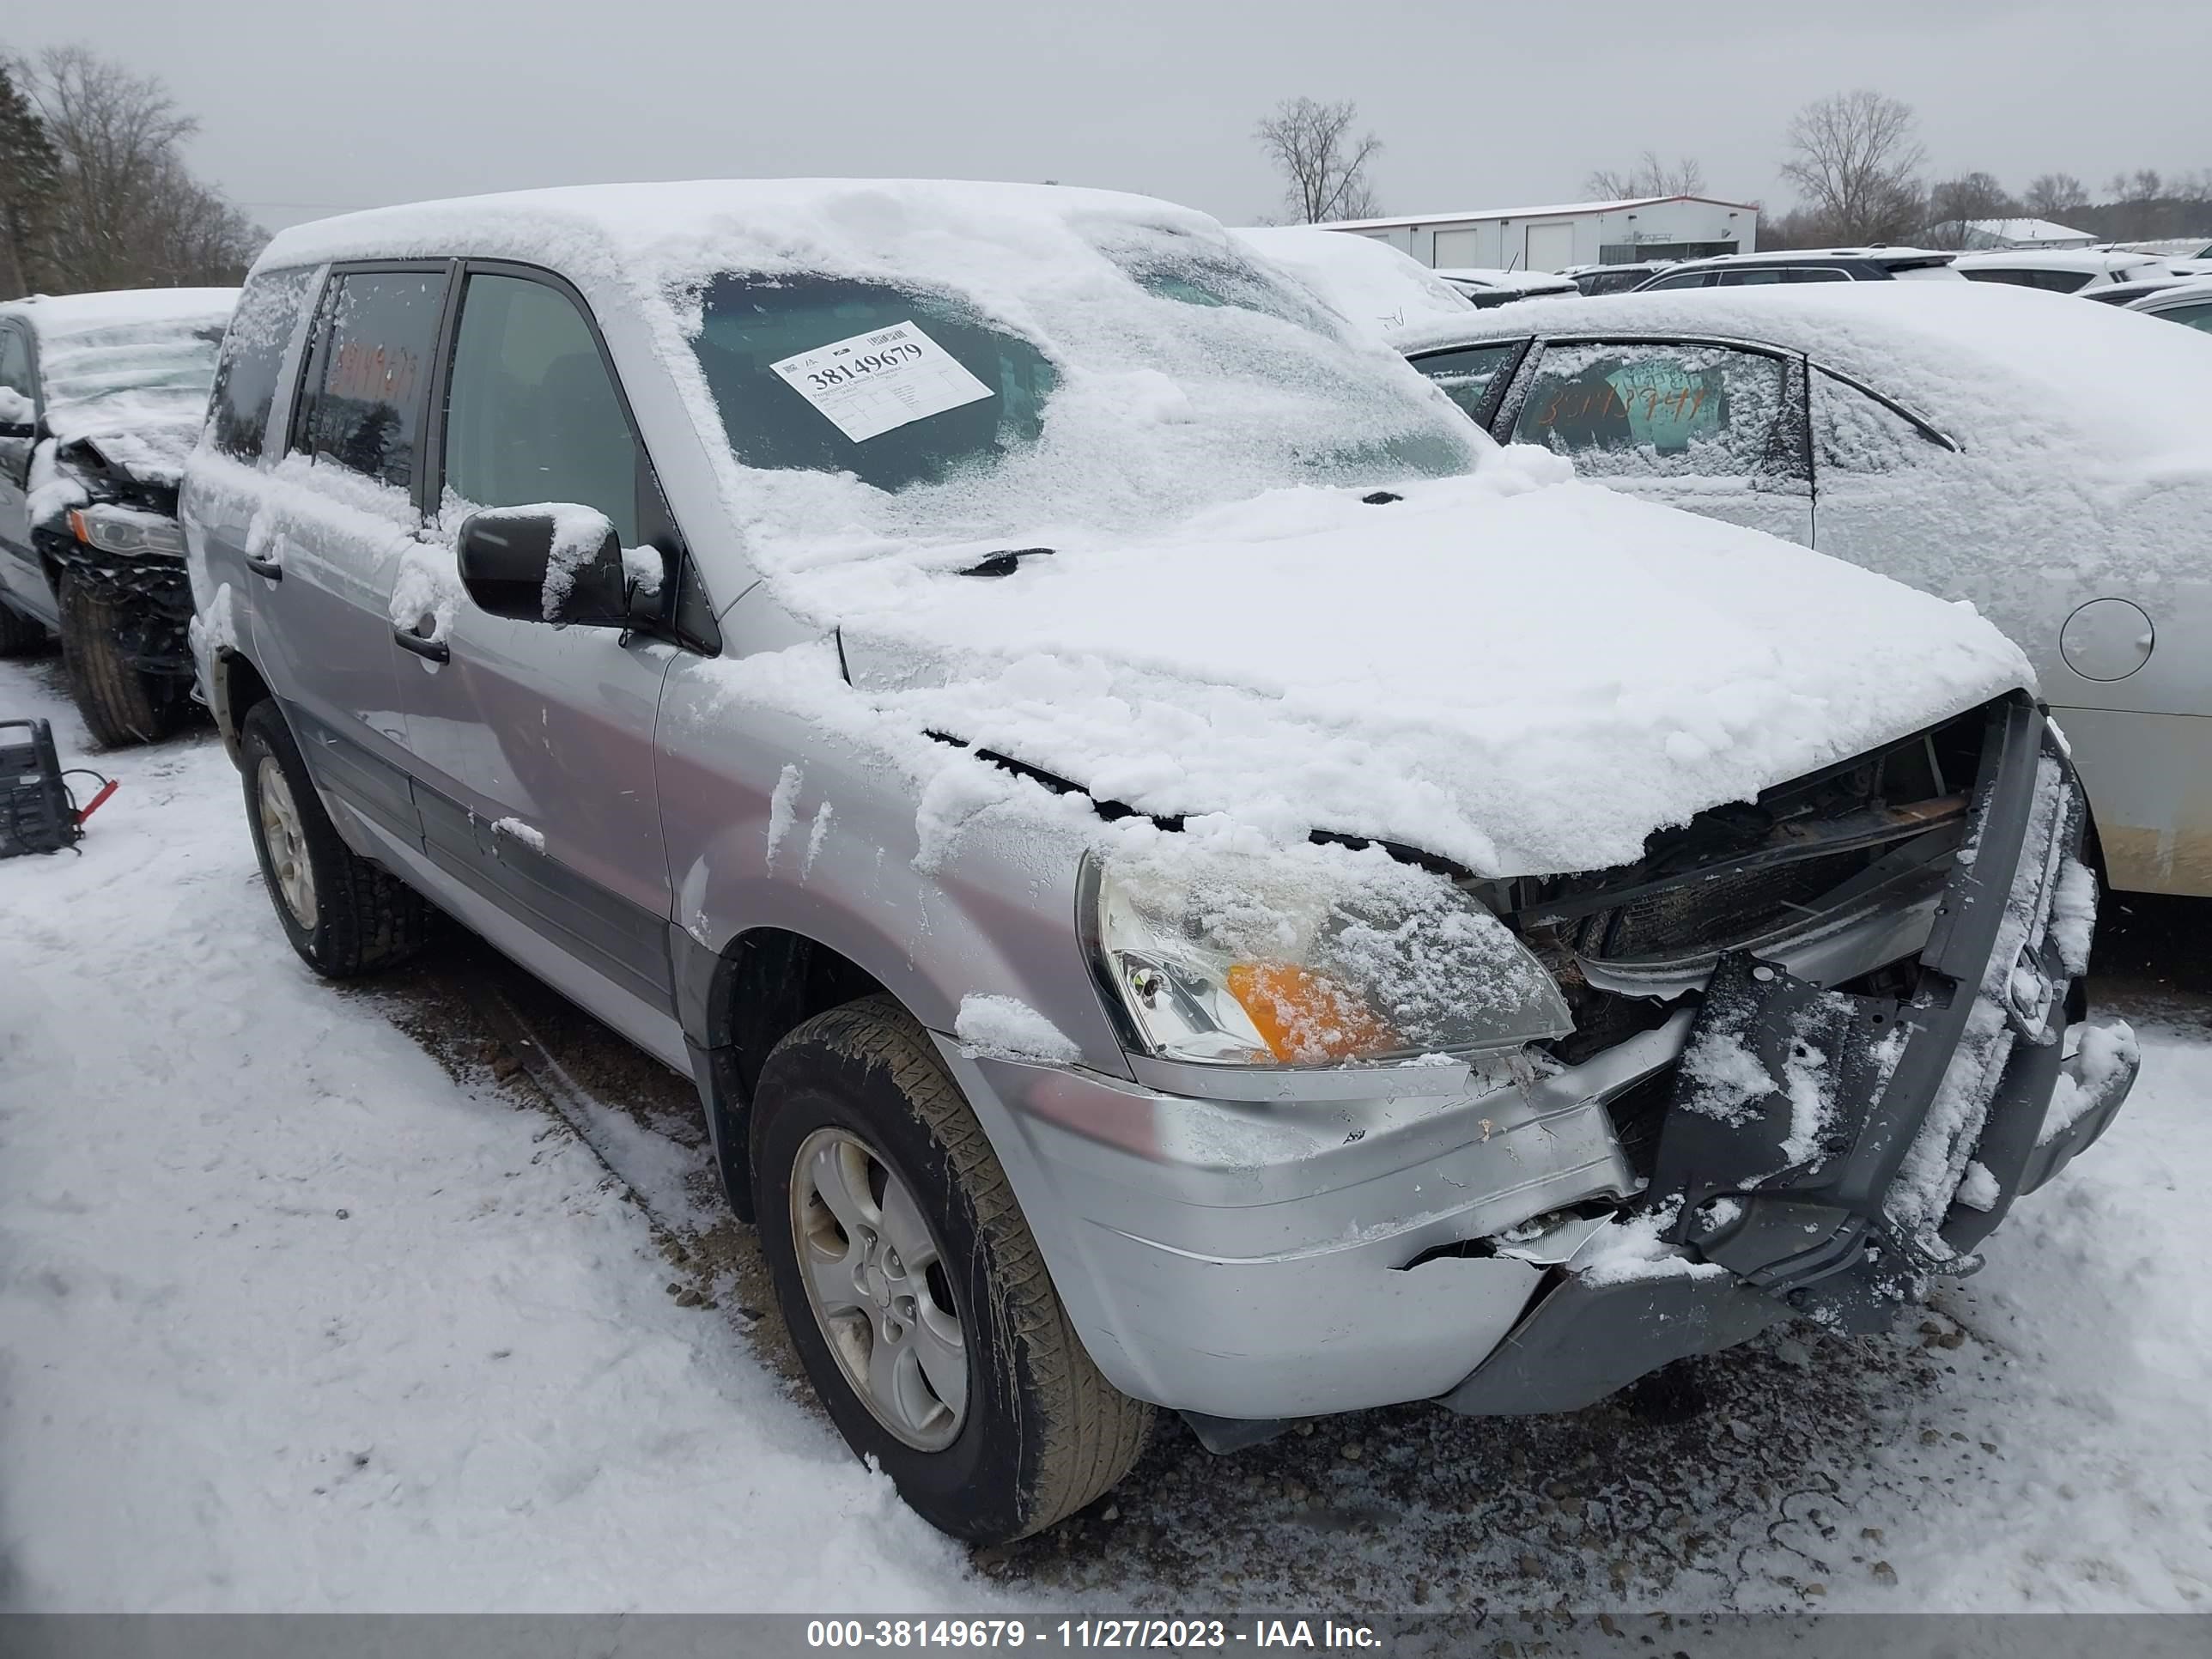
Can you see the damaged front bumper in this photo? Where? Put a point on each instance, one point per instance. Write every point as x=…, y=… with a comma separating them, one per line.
x=1484, y=1239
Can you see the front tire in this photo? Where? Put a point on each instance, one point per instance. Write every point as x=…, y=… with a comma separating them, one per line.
x=342, y=914
x=913, y=1289
x=121, y=705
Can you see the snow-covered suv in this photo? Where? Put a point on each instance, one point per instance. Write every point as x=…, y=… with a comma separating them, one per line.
x=1184, y=874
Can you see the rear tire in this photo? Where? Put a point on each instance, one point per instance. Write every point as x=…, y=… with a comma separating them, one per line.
x=121, y=704
x=19, y=635
x=343, y=915
x=1035, y=1432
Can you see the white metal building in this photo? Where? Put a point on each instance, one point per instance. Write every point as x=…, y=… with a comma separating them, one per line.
x=1570, y=233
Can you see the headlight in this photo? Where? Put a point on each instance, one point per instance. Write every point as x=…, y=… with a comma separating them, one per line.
x=128, y=530
x=1231, y=953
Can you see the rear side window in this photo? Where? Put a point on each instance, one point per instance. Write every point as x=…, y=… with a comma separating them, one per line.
x=253, y=357
x=1756, y=276
x=1854, y=433
x=1469, y=376
x=365, y=381
x=1818, y=274
x=1655, y=411
x=532, y=414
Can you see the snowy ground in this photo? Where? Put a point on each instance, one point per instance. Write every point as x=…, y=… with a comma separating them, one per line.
x=312, y=1300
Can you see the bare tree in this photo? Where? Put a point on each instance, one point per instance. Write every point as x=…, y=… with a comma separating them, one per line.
x=2054, y=192
x=1955, y=204
x=128, y=213
x=29, y=175
x=1324, y=169
x=1855, y=158
x=1649, y=177
x=2143, y=184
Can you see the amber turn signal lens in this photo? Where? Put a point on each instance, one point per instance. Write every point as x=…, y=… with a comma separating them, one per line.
x=1307, y=1018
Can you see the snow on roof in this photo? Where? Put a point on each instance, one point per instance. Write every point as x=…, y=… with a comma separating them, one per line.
x=1554, y=210
x=2162, y=295
x=2028, y=230
x=57, y=314
x=1369, y=281
x=2057, y=258
x=1974, y=358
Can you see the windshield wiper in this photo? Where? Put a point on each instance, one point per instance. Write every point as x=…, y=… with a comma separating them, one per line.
x=1006, y=563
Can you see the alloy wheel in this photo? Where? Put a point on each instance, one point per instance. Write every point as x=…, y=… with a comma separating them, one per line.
x=877, y=1286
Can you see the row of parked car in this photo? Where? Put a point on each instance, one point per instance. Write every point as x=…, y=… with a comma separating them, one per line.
x=1186, y=876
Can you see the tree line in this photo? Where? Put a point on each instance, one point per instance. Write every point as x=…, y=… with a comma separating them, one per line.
x=95, y=192
x=1853, y=160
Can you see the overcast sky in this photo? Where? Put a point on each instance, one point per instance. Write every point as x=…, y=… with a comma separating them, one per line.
x=1479, y=105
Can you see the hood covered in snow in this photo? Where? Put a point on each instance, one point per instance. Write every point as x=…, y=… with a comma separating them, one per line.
x=1525, y=675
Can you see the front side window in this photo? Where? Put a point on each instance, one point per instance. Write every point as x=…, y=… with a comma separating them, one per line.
x=2060, y=282
x=806, y=417
x=366, y=379
x=2016, y=278
x=1469, y=376
x=1683, y=279
x=531, y=413
x=2196, y=316
x=253, y=357
x=1628, y=410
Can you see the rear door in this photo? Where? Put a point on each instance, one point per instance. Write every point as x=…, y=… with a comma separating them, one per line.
x=341, y=510
x=531, y=747
x=1712, y=427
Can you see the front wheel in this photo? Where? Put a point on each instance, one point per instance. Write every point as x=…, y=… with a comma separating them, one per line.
x=913, y=1289
x=121, y=704
x=342, y=914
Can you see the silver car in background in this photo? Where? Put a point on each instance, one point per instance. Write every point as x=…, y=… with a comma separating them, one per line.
x=2051, y=464
x=1065, y=744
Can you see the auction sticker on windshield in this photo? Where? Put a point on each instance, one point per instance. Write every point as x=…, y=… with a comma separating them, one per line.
x=873, y=382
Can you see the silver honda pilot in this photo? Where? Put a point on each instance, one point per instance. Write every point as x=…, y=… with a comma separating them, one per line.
x=1185, y=876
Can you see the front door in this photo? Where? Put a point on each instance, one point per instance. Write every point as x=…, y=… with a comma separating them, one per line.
x=1715, y=429
x=531, y=747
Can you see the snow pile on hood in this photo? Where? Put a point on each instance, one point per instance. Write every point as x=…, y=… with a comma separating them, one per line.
x=2011, y=366
x=1524, y=675
x=1378, y=287
x=131, y=371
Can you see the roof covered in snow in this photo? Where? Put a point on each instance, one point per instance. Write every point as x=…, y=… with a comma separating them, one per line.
x=1549, y=211
x=2029, y=233
x=55, y=314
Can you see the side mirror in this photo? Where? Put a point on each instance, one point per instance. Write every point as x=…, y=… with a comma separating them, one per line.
x=551, y=563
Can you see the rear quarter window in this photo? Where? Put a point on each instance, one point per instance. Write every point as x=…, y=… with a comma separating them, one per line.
x=246, y=374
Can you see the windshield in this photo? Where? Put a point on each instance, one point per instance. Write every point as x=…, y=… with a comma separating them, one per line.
x=1165, y=377
x=163, y=369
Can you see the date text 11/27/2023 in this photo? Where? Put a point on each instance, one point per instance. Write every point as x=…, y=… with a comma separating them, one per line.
x=1168, y=1634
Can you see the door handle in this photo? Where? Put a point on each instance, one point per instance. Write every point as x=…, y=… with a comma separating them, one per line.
x=426, y=646
x=261, y=566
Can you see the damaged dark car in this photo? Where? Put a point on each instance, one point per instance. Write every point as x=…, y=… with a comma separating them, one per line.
x=101, y=397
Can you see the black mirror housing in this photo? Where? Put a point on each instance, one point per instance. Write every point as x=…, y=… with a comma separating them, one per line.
x=549, y=562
